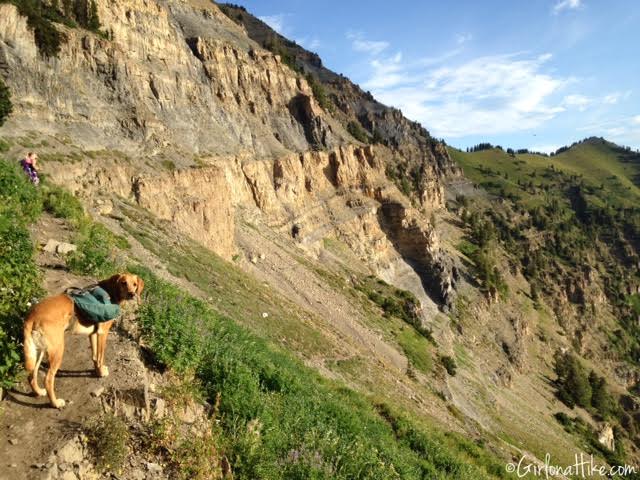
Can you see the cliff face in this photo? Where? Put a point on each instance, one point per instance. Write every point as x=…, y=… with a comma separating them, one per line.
x=177, y=84
x=421, y=157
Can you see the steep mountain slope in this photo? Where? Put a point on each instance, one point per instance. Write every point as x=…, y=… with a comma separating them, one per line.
x=227, y=172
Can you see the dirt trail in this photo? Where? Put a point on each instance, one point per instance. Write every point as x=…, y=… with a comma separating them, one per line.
x=30, y=429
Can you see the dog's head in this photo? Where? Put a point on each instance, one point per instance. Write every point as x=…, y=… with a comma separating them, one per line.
x=126, y=286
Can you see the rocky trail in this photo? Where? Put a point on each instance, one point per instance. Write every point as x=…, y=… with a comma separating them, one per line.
x=39, y=441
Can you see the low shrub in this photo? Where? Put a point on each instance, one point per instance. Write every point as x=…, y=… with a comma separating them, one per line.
x=395, y=302
x=573, y=381
x=42, y=17
x=320, y=93
x=357, y=132
x=449, y=364
x=108, y=437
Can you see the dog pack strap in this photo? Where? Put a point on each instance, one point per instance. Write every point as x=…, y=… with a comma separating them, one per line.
x=101, y=294
x=77, y=291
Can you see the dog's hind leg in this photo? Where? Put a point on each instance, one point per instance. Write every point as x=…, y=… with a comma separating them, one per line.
x=33, y=359
x=33, y=377
x=55, y=360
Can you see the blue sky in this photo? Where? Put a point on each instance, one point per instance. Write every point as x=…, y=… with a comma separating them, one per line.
x=533, y=74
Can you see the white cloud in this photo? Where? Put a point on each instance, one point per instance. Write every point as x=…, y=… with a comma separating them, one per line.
x=566, y=5
x=614, y=97
x=371, y=47
x=492, y=94
x=277, y=22
x=463, y=38
x=388, y=72
x=579, y=101
x=636, y=119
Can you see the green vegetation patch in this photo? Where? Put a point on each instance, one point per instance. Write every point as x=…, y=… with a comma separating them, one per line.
x=62, y=204
x=394, y=302
x=416, y=348
x=107, y=437
x=20, y=205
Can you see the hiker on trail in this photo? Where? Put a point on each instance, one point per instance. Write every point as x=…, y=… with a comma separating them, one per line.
x=30, y=166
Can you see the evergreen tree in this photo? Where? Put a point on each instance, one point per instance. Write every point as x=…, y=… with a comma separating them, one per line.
x=573, y=383
x=601, y=399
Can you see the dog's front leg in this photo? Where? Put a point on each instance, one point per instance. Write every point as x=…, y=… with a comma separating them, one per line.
x=103, y=370
x=103, y=334
x=93, y=340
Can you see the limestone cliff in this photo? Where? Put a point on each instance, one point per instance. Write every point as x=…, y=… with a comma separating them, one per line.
x=206, y=122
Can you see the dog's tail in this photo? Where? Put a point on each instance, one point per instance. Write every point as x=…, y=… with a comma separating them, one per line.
x=30, y=350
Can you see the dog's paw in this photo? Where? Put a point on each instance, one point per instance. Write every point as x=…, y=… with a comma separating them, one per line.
x=40, y=392
x=103, y=371
x=59, y=403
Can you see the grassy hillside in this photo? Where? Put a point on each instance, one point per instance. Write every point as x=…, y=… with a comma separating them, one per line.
x=282, y=420
x=601, y=165
x=570, y=224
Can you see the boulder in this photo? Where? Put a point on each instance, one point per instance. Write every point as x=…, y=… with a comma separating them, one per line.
x=71, y=452
x=51, y=246
x=64, y=248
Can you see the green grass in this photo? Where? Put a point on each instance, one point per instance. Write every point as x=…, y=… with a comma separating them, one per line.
x=389, y=309
x=416, y=348
x=556, y=218
x=279, y=419
x=98, y=247
x=5, y=145
x=634, y=303
x=20, y=205
x=467, y=248
x=62, y=204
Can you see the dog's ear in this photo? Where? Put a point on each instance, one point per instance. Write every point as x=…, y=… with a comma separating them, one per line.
x=140, y=287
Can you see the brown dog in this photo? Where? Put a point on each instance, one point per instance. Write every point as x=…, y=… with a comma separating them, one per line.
x=47, y=322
